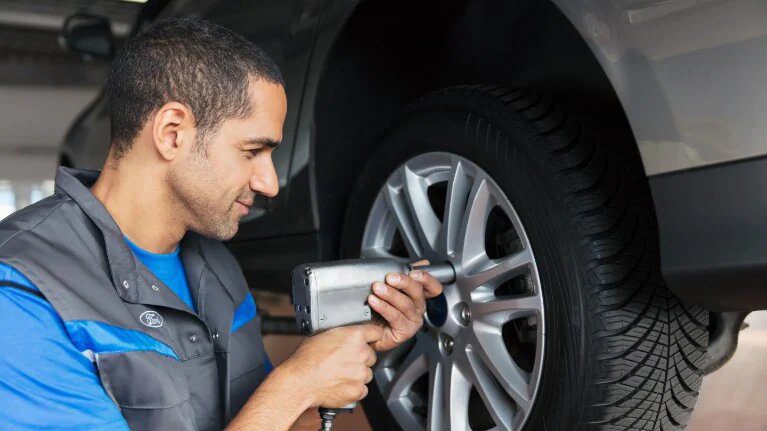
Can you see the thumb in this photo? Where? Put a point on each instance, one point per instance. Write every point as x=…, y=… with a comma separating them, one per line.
x=371, y=332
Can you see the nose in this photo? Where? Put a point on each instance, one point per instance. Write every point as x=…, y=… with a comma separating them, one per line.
x=264, y=178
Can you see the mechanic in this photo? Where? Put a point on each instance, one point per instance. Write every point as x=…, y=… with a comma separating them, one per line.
x=119, y=306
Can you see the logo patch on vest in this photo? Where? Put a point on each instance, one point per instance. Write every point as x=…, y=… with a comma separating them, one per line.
x=151, y=319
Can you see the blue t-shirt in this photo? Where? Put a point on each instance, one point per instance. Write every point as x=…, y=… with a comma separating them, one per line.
x=45, y=381
x=168, y=268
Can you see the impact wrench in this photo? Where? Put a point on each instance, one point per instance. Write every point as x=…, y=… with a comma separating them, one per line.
x=331, y=294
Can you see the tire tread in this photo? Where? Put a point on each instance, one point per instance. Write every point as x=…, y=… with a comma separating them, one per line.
x=651, y=348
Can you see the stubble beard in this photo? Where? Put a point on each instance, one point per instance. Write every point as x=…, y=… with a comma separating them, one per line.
x=195, y=187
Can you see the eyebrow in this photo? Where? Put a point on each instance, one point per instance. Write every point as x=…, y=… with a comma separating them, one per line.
x=269, y=142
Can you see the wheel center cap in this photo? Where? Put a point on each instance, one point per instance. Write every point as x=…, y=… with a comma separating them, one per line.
x=436, y=310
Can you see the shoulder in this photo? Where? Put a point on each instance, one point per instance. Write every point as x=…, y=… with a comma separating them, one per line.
x=24, y=310
x=9, y=274
x=47, y=380
x=32, y=216
x=30, y=323
x=18, y=293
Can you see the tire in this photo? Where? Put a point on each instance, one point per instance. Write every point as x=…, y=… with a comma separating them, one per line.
x=621, y=351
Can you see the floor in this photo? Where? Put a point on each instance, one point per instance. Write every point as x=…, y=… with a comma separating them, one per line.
x=732, y=398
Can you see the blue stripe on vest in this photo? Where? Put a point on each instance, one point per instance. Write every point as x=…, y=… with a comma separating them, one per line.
x=100, y=337
x=244, y=313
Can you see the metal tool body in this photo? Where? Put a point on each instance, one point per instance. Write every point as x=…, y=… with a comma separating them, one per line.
x=331, y=294
x=327, y=295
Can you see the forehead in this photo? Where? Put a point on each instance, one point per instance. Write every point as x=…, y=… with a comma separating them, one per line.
x=268, y=101
x=268, y=109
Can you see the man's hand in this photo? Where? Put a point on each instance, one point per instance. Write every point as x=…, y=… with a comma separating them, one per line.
x=330, y=369
x=401, y=301
x=335, y=365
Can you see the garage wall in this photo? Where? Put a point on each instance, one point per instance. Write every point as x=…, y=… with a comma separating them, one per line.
x=33, y=121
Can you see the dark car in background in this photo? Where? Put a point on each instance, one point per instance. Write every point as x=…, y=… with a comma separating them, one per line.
x=594, y=170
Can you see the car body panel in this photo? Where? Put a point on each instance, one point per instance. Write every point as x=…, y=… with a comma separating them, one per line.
x=713, y=225
x=689, y=74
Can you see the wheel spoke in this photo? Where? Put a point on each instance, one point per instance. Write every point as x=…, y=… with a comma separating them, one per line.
x=496, y=271
x=492, y=351
x=458, y=189
x=398, y=206
x=449, y=393
x=499, y=311
x=396, y=383
x=426, y=223
x=414, y=366
x=435, y=420
x=371, y=252
x=471, y=238
x=489, y=389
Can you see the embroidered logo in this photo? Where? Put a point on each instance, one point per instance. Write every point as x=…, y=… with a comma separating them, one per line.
x=151, y=319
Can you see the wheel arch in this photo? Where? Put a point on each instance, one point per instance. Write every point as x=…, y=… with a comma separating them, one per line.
x=390, y=53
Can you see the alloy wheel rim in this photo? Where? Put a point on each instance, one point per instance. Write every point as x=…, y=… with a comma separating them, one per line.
x=484, y=361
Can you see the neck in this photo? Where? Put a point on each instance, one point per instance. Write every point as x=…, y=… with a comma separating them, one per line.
x=136, y=196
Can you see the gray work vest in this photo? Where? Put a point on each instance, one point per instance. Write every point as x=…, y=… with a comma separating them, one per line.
x=165, y=366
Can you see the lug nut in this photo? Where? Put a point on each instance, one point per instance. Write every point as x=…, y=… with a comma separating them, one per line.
x=465, y=315
x=448, y=344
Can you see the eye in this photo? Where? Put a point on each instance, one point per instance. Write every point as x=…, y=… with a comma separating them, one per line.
x=253, y=153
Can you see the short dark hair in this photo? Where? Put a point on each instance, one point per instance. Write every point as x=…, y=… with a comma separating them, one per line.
x=187, y=60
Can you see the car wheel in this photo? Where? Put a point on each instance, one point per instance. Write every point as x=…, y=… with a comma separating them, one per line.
x=558, y=318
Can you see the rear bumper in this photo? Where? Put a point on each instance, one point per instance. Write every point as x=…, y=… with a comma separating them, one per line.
x=713, y=234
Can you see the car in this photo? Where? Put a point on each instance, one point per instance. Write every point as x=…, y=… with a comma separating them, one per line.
x=594, y=171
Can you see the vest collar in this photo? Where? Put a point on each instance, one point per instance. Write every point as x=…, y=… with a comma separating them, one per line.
x=122, y=264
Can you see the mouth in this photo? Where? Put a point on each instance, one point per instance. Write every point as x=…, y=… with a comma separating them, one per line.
x=244, y=207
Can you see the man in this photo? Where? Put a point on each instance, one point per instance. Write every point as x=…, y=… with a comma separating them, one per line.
x=120, y=308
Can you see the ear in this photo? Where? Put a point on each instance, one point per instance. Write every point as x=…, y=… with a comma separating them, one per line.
x=172, y=130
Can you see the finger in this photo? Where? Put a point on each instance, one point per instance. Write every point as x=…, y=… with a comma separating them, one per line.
x=371, y=332
x=411, y=288
x=372, y=358
x=431, y=286
x=362, y=374
x=368, y=375
x=393, y=316
x=423, y=262
x=399, y=300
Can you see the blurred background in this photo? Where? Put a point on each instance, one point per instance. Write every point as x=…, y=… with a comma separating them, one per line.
x=43, y=89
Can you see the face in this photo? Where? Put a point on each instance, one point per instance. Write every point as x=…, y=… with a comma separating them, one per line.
x=215, y=190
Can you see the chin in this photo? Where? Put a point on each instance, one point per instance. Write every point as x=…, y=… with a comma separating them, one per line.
x=224, y=235
x=222, y=231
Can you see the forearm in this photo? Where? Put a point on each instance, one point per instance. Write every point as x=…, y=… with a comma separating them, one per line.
x=276, y=405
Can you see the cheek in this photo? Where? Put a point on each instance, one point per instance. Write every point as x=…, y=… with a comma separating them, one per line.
x=243, y=175
x=227, y=177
